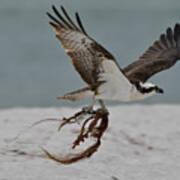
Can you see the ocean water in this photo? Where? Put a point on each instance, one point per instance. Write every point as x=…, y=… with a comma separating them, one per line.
x=34, y=69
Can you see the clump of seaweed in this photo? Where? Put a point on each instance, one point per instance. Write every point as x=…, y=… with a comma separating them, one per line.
x=93, y=126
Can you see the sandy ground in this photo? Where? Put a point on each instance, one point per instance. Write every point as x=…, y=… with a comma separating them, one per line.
x=141, y=143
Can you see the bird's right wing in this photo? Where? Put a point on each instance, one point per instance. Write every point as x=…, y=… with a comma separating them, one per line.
x=89, y=58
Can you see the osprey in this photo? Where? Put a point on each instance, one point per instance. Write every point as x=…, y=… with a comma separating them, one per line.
x=100, y=70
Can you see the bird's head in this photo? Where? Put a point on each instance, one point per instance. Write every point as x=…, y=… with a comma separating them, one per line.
x=149, y=88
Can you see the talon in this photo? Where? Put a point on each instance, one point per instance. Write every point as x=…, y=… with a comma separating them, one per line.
x=88, y=110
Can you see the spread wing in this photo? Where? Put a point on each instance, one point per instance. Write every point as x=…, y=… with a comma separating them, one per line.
x=163, y=54
x=86, y=54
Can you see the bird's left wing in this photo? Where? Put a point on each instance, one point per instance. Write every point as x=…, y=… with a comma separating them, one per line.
x=162, y=55
x=87, y=55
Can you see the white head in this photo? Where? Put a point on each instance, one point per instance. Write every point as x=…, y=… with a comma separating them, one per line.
x=148, y=87
x=144, y=90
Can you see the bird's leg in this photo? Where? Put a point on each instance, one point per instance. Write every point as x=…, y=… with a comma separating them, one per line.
x=89, y=109
x=101, y=102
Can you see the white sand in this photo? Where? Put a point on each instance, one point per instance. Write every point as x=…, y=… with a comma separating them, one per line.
x=142, y=143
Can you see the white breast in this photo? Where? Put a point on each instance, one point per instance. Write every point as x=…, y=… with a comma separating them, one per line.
x=112, y=91
x=117, y=86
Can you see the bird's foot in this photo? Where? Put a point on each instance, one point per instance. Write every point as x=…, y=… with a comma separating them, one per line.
x=88, y=110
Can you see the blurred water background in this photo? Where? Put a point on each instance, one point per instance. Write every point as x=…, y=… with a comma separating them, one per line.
x=34, y=68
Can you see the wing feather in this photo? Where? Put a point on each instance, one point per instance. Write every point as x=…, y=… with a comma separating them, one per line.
x=162, y=55
x=69, y=19
x=61, y=17
x=86, y=54
x=80, y=23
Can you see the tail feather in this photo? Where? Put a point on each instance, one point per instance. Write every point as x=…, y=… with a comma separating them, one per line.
x=84, y=93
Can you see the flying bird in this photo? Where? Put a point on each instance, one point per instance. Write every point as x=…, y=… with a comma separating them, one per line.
x=99, y=69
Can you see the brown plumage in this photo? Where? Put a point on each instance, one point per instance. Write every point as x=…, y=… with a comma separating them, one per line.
x=105, y=79
x=163, y=54
x=87, y=55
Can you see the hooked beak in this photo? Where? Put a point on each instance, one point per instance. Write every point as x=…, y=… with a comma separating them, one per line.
x=159, y=90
